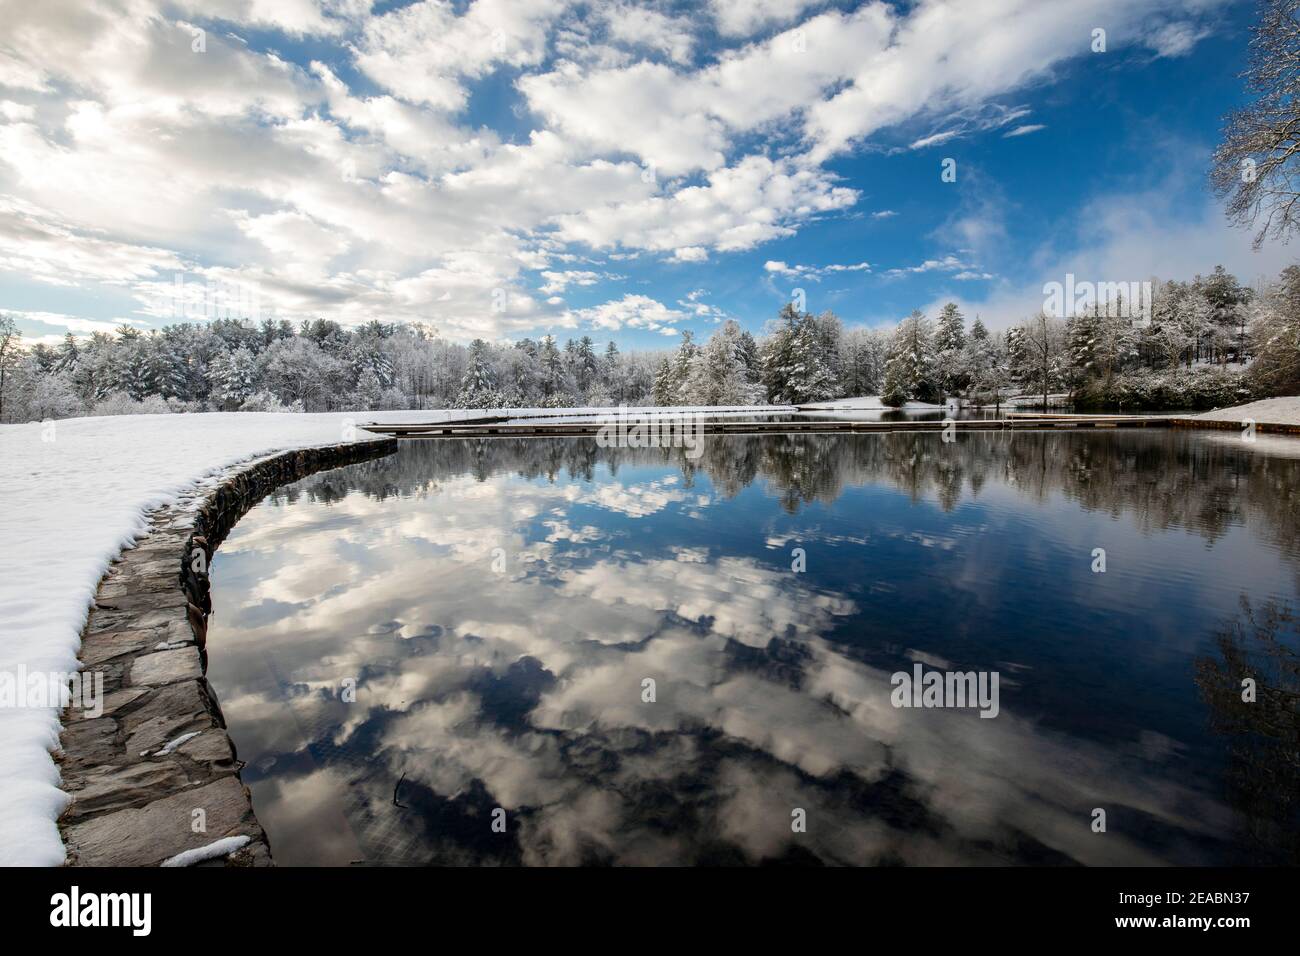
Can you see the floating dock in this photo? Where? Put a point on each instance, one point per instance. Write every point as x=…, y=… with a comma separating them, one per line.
x=511, y=428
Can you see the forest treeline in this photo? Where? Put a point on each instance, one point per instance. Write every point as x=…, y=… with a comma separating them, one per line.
x=1204, y=343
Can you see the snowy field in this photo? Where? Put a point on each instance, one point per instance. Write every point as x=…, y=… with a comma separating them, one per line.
x=75, y=495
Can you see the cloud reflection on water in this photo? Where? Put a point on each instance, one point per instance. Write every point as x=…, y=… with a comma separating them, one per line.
x=523, y=690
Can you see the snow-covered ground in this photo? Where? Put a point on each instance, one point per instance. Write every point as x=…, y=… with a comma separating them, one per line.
x=1275, y=411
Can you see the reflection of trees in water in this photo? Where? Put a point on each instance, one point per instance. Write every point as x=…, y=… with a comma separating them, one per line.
x=1263, y=737
x=1159, y=479
x=1168, y=479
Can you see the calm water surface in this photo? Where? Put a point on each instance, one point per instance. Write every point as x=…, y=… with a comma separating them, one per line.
x=513, y=678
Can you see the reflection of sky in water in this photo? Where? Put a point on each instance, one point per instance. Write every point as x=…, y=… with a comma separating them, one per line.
x=523, y=689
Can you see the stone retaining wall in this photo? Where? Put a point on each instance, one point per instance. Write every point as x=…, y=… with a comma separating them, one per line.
x=155, y=773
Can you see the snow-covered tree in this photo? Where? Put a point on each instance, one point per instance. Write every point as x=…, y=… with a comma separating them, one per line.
x=1276, y=337
x=233, y=377
x=298, y=370
x=951, y=374
x=800, y=359
x=664, y=386
x=478, y=386
x=909, y=365
x=862, y=362
x=1045, y=351
x=718, y=374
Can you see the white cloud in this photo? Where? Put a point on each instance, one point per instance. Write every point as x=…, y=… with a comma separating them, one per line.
x=646, y=28
x=746, y=17
x=948, y=55
x=16, y=111
x=631, y=311
x=683, y=121
x=816, y=273
x=739, y=207
x=948, y=263
x=422, y=51
x=557, y=282
x=1177, y=39
x=126, y=157
x=934, y=139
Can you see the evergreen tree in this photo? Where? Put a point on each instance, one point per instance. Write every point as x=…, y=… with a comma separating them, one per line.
x=681, y=366
x=552, y=368
x=909, y=366
x=586, y=366
x=950, y=372
x=233, y=377
x=811, y=378
x=68, y=353
x=664, y=391
x=478, y=386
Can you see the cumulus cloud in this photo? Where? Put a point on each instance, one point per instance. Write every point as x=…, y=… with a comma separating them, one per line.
x=632, y=311
x=351, y=182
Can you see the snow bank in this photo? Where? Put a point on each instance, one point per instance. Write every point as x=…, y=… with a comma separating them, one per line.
x=75, y=493
x=1274, y=411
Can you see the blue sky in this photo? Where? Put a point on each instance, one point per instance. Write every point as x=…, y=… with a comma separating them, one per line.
x=501, y=168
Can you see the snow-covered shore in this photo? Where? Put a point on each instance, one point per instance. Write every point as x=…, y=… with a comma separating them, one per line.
x=75, y=495
x=1271, y=411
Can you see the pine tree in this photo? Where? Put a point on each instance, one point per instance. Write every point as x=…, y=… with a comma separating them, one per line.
x=552, y=368
x=586, y=367
x=950, y=371
x=811, y=378
x=910, y=366
x=478, y=386
x=1018, y=360
x=681, y=367
x=233, y=376
x=778, y=356
x=366, y=398
x=68, y=353
x=950, y=336
x=718, y=375
x=663, y=388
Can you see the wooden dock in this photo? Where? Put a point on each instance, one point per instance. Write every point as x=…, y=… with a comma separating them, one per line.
x=483, y=428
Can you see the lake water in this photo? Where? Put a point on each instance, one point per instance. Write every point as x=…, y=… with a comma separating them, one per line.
x=411, y=649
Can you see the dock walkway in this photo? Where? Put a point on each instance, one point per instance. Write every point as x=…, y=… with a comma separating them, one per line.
x=511, y=428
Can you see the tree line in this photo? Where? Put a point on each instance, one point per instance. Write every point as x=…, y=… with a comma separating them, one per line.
x=1204, y=343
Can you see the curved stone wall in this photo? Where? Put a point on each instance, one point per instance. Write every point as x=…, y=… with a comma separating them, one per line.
x=151, y=770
